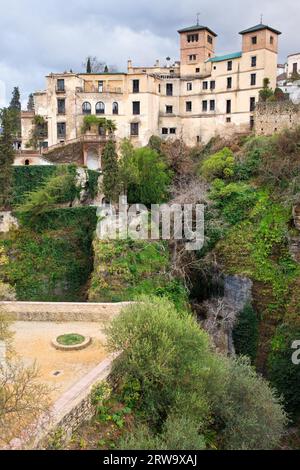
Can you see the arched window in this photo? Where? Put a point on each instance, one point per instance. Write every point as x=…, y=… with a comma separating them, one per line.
x=115, y=108
x=86, y=108
x=100, y=108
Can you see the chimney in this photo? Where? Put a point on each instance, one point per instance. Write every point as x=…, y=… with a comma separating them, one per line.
x=129, y=64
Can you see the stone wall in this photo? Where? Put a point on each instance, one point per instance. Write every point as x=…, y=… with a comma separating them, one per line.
x=274, y=117
x=71, y=410
x=62, y=311
x=69, y=153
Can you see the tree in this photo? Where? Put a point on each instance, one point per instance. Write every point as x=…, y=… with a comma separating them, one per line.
x=15, y=108
x=110, y=182
x=30, y=104
x=22, y=397
x=6, y=291
x=89, y=66
x=39, y=132
x=266, y=93
x=169, y=360
x=7, y=154
x=145, y=175
x=245, y=333
x=283, y=373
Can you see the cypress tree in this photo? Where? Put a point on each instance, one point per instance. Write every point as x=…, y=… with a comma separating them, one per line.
x=6, y=156
x=15, y=108
x=30, y=104
x=89, y=66
x=110, y=164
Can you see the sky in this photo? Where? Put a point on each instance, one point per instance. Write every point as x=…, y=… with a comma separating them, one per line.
x=38, y=37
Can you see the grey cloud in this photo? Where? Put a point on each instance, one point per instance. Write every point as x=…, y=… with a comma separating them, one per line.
x=39, y=37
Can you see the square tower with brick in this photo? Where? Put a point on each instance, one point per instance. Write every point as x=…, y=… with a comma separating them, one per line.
x=197, y=44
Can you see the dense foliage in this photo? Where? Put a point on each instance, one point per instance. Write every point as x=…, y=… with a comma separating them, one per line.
x=52, y=260
x=6, y=157
x=169, y=373
x=245, y=333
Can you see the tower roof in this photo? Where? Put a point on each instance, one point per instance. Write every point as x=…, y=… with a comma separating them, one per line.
x=259, y=27
x=197, y=27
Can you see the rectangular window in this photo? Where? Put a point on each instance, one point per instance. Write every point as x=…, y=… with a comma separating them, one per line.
x=60, y=85
x=228, y=106
x=61, y=106
x=192, y=57
x=204, y=106
x=229, y=83
x=228, y=119
x=212, y=105
x=205, y=85
x=159, y=88
x=212, y=85
x=169, y=109
x=252, y=104
x=197, y=70
x=165, y=131
x=189, y=86
x=253, y=79
x=61, y=130
x=209, y=39
x=188, y=106
x=100, y=86
x=254, y=40
x=295, y=67
x=169, y=89
x=253, y=61
x=134, y=129
x=192, y=37
x=135, y=86
x=173, y=130
x=271, y=39
x=136, y=107
x=251, y=122
x=229, y=65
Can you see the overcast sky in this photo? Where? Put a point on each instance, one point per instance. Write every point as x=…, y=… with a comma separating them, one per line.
x=42, y=36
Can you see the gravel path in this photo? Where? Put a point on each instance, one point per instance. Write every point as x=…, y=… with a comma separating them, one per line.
x=59, y=369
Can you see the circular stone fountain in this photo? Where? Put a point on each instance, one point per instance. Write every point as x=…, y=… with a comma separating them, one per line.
x=71, y=342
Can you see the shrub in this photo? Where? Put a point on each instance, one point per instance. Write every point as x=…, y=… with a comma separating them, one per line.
x=179, y=433
x=245, y=333
x=233, y=199
x=183, y=381
x=253, y=416
x=285, y=375
x=219, y=165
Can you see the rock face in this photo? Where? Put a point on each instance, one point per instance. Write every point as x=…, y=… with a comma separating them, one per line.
x=222, y=312
x=294, y=241
x=296, y=215
x=7, y=221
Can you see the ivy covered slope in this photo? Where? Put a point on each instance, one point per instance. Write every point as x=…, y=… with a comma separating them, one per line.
x=126, y=269
x=254, y=191
x=50, y=254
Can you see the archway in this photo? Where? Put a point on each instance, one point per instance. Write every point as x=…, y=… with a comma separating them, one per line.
x=92, y=161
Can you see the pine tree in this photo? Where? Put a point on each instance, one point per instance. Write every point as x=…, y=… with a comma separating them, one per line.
x=110, y=183
x=15, y=108
x=89, y=66
x=6, y=156
x=30, y=104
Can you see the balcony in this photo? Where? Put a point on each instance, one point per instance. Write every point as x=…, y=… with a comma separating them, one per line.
x=60, y=89
x=102, y=90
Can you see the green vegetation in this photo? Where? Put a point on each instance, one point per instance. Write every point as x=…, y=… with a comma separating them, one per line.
x=283, y=373
x=93, y=121
x=71, y=339
x=219, y=165
x=6, y=157
x=245, y=333
x=144, y=175
x=110, y=184
x=51, y=260
x=39, y=132
x=169, y=377
x=126, y=269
